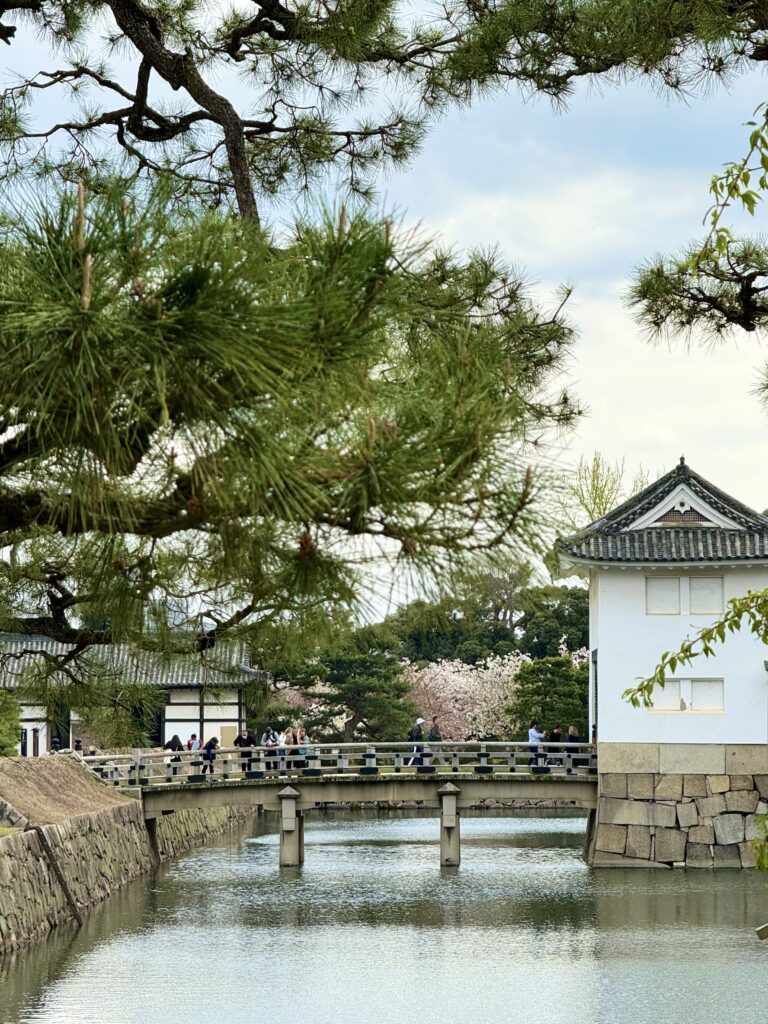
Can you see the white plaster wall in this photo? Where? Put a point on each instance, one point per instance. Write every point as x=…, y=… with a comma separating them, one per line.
x=630, y=642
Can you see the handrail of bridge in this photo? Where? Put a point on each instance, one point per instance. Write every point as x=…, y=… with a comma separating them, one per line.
x=164, y=767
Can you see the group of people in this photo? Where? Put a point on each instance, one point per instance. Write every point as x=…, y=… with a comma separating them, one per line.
x=293, y=742
x=552, y=754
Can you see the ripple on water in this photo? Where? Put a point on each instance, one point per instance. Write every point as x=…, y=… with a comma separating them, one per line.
x=372, y=929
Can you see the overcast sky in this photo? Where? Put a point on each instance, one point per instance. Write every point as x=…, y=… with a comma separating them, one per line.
x=583, y=196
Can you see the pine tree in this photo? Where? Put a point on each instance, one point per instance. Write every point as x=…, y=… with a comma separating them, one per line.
x=249, y=103
x=200, y=419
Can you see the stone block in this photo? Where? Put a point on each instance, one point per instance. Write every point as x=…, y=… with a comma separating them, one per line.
x=748, y=855
x=729, y=829
x=727, y=856
x=709, y=806
x=669, y=845
x=743, y=800
x=687, y=815
x=746, y=758
x=640, y=786
x=762, y=806
x=691, y=758
x=718, y=784
x=668, y=787
x=616, y=860
x=761, y=781
x=742, y=782
x=752, y=828
x=699, y=856
x=628, y=757
x=638, y=842
x=611, y=838
x=695, y=785
x=613, y=784
x=636, y=812
x=701, y=834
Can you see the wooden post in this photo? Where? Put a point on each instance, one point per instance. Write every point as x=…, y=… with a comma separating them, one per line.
x=291, y=829
x=450, y=840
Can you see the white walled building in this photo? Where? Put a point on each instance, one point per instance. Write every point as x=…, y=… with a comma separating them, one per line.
x=683, y=781
x=661, y=566
x=202, y=694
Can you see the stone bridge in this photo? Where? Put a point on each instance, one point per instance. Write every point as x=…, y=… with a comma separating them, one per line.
x=447, y=777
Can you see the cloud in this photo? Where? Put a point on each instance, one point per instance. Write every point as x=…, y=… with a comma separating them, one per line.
x=651, y=404
x=587, y=225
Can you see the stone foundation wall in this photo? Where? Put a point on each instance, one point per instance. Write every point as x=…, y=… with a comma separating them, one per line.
x=650, y=819
x=97, y=853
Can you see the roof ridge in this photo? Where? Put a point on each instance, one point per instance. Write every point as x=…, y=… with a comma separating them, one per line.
x=635, y=506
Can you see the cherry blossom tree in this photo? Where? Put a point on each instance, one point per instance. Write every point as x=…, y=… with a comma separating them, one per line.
x=468, y=700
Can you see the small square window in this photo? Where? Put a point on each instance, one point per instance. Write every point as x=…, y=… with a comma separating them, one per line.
x=662, y=595
x=707, y=695
x=706, y=595
x=667, y=699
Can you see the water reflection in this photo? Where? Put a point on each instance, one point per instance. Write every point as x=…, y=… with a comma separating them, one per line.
x=371, y=928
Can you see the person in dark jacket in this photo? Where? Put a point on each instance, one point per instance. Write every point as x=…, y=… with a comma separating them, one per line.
x=174, y=744
x=246, y=739
x=209, y=755
x=555, y=736
x=416, y=735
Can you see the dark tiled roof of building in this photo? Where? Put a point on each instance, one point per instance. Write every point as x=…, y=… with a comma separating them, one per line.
x=676, y=538
x=221, y=667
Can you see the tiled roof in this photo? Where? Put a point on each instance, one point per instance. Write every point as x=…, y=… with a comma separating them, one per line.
x=676, y=544
x=219, y=668
x=609, y=539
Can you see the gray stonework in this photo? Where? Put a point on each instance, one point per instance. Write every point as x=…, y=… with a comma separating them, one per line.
x=10, y=817
x=743, y=800
x=614, y=785
x=640, y=787
x=687, y=815
x=694, y=785
x=97, y=854
x=638, y=842
x=612, y=839
x=692, y=820
x=668, y=787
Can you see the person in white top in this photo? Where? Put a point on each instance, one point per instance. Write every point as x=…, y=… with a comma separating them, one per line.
x=534, y=739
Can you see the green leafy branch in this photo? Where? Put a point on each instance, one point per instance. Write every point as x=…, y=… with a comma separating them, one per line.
x=735, y=185
x=752, y=609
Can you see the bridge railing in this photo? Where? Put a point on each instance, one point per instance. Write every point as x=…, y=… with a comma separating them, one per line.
x=163, y=767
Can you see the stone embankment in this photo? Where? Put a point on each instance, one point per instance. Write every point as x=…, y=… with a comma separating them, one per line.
x=73, y=841
x=664, y=820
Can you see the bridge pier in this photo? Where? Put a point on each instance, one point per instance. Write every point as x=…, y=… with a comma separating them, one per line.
x=450, y=837
x=291, y=829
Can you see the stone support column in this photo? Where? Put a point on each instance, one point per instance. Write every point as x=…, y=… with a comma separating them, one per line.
x=291, y=829
x=450, y=839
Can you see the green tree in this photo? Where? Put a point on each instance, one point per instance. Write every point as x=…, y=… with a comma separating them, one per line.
x=551, y=615
x=251, y=104
x=10, y=723
x=596, y=487
x=549, y=690
x=358, y=691
x=200, y=420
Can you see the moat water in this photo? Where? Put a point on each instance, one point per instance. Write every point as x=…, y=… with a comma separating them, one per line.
x=372, y=930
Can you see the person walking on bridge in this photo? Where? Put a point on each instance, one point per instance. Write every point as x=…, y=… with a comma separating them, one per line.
x=434, y=739
x=416, y=735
